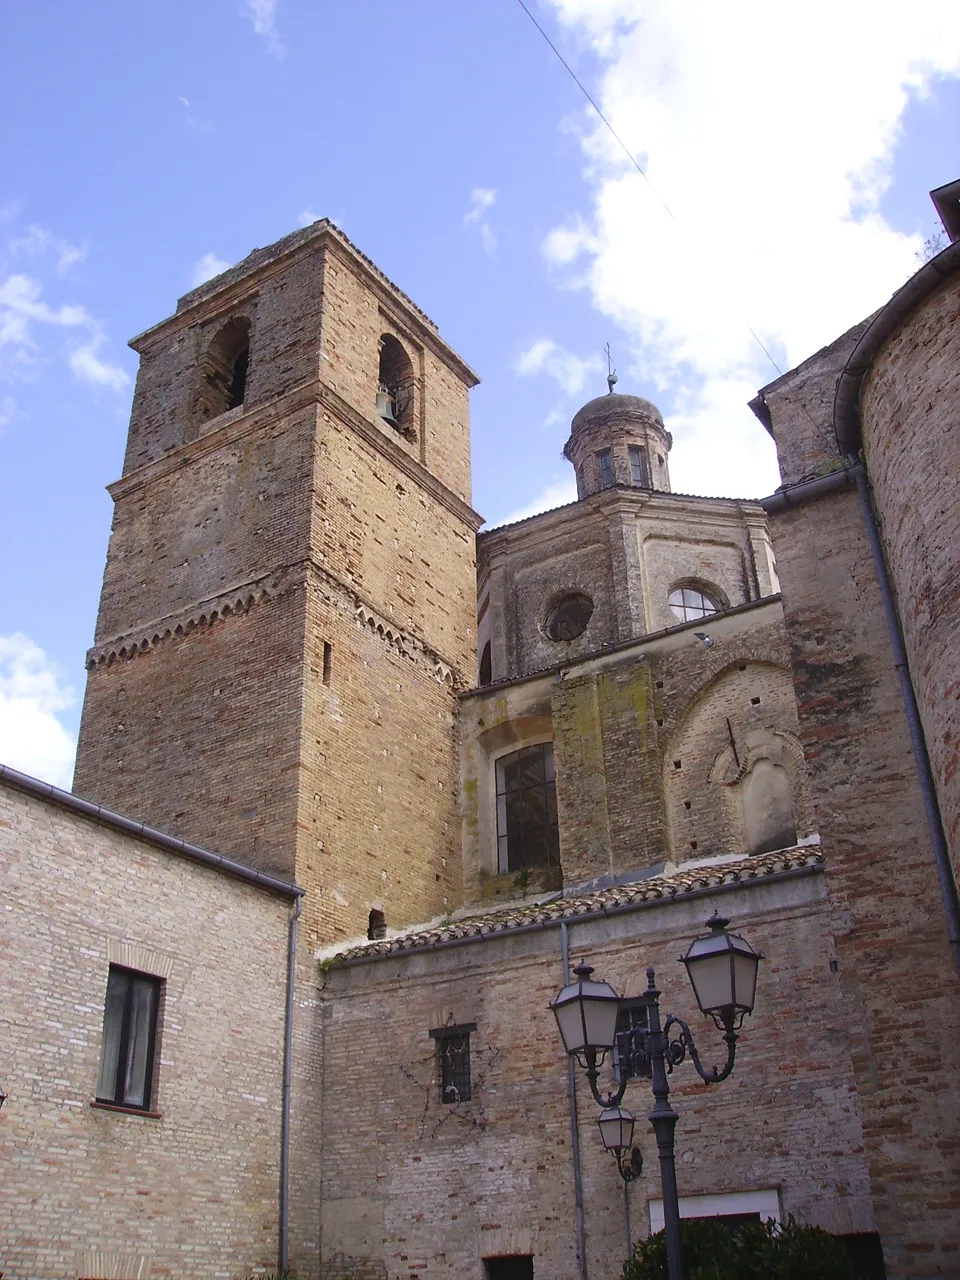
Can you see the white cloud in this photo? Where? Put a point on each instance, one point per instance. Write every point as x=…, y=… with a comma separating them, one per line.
x=307, y=216
x=23, y=309
x=773, y=168
x=207, y=267
x=87, y=365
x=263, y=15
x=32, y=695
x=482, y=199
x=571, y=372
x=39, y=242
x=556, y=494
x=8, y=412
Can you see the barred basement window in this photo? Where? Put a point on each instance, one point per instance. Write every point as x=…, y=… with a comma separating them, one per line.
x=129, y=1042
x=453, y=1062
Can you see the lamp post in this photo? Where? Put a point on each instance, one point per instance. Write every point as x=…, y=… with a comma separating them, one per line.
x=722, y=968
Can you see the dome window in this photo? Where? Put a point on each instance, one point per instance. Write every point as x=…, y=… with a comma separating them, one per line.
x=689, y=604
x=569, y=617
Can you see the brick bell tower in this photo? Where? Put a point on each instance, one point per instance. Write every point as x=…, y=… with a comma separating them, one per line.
x=289, y=601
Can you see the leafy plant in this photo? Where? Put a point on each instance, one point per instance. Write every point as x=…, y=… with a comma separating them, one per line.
x=714, y=1250
x=521, y=880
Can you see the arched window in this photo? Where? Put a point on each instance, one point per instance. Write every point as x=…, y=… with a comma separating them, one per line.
x=395, y=385
x=223, y=379
x=690, y=603
x=486, y=666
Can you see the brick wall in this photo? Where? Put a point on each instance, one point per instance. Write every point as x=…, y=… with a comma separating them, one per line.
x=912, y=446
x=296, y=581
x=417, y=1188
x=898, y=980
x=195, y=1192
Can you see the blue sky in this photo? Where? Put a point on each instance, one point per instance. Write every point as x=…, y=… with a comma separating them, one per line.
x=148, y=143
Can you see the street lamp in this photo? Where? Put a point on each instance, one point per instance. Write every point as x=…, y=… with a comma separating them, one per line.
x=616, y=1133
x=722, y=968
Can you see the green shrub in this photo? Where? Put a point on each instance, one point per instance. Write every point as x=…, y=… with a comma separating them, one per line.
x=713, y=1250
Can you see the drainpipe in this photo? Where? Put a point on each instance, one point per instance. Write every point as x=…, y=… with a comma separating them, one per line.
x=941, y=854
x=283, y=1251
x=574, y=1126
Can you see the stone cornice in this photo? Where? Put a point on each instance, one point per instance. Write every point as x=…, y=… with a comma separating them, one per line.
x=236, y=425
x=243, y=596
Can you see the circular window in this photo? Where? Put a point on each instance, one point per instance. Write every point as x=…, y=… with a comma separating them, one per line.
x=688, y=604
x=569, y=617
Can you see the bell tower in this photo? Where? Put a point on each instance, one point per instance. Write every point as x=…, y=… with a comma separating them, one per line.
x=289, y=601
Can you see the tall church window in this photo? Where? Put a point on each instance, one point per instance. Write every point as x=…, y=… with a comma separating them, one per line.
x=689, y=604
x=639, y=467
x=223, y=377
x=129, y=1039
x=486, y=666
x=605, y=463
x=527, y=832
x=395, y=385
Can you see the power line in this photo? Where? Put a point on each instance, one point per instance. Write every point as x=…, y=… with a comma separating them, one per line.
x=628, y=153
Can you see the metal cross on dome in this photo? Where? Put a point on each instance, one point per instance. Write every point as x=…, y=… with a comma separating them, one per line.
x=611, y=371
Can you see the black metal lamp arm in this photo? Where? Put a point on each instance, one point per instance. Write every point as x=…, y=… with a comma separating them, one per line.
x=629, y=1163
x=678, y=1048
x=593, y=1075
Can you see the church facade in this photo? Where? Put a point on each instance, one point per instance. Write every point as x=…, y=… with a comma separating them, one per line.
x=483, y=759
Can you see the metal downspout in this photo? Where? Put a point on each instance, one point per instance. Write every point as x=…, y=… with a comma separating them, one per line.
x=574, y=1126
x=948, y=884
x=283, y=1251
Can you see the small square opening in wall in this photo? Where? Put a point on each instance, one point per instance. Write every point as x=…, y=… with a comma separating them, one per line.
x=678, y=764
x=686, y=804
x=514, y=1267
x=754, y=702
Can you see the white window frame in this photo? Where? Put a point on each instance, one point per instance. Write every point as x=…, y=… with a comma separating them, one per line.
x=766, y=1203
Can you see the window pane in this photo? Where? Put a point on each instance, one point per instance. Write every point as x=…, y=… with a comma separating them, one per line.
x=606, y=468
x=547, y=750
x=136, y=1085
x=535, y=807
x=117, y=985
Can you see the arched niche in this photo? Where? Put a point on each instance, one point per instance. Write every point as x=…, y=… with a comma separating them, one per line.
x=395, y=385
x=223, y=370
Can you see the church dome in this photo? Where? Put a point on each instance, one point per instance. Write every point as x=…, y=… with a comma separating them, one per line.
x=619, y=442
x=613, y=408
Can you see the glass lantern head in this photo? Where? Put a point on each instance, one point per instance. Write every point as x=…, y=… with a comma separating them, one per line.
x=586, y=1014
x=616, y=1129
x=722, y=968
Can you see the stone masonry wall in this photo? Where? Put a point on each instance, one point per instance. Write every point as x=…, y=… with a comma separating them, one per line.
x=641, y=742
x=440, y=1186
x=193, y=1193
x=626, y=550
x=911, y=442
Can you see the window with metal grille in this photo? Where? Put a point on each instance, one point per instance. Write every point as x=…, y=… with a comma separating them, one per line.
x=453, y=1062
x=605, y=463
x=128, y=1047
x=632, y=1017
x=527, y=834
x=639, y=470
x=518, y=1267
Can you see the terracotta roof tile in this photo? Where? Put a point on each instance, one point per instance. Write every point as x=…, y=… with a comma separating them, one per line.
x=755, y=867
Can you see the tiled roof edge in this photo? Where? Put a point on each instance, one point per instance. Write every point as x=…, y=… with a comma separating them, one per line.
x=721, y=877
